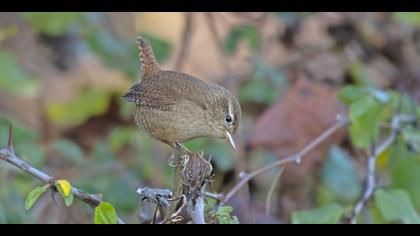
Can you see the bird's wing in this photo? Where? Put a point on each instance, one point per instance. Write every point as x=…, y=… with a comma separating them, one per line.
x=149, y=94
x=159, y=94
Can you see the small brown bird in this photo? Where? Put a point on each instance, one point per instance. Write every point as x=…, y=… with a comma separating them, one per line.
x=175, y=107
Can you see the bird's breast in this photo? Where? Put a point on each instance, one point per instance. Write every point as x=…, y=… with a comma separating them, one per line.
x=183, y=121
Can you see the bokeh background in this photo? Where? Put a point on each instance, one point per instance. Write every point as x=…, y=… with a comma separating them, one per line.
x=62, y=76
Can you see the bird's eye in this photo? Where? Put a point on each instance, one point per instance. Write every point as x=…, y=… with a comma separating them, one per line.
x=228, y=119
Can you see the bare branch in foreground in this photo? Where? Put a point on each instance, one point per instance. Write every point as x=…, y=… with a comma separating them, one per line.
x=371, y=164
x=7, y=154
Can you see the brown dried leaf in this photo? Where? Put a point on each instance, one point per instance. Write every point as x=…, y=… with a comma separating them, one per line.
x=304, y=112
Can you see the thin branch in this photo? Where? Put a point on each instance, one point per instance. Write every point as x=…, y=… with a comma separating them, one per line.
x=371, y=164
x=185, y=41
x=271, y=190
x=7, y=154
x=216, y=196
x=294, y=158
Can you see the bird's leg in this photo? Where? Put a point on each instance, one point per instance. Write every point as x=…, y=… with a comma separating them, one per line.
x=179, y=151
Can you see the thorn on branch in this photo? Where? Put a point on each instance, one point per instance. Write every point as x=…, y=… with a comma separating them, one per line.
x=10, y=139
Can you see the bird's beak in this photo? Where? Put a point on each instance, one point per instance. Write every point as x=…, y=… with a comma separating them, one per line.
x=232, y=142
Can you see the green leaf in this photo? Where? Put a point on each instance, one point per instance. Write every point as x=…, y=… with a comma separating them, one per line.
x=242, y=32
x=105, y=214
x=13, y=79
x=257, y=90
x=324, y=195
x=53, y=23
x=329, y=214
x=225, y=210
x=224, y=217
x=351, y=93
x=406, y=176
x=365, y=117
x=340, y=175
x=69, y=199
x=375, y=215
x=411, y=18
x=68, y=113
x=34, y=195
x=396, y=205
x=68, y=148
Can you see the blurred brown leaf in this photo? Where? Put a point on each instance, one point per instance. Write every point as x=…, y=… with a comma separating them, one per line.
x=304, y=112
x=307, y=109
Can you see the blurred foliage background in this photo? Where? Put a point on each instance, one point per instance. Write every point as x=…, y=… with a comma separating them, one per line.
x=62, y=76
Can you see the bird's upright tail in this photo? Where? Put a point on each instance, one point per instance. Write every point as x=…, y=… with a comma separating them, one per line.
x=149, y=64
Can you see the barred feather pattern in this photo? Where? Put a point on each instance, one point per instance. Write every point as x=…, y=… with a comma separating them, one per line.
x=149, y=64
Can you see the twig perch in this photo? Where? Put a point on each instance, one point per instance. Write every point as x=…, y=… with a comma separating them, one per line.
x=7, y=154
x=192, y=174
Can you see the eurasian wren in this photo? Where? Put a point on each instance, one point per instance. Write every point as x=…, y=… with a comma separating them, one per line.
x=175, y=107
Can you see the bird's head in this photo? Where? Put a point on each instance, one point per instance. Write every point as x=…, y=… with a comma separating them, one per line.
x=225, y=113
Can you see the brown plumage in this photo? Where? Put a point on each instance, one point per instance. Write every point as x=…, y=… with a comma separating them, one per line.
x=175, y=107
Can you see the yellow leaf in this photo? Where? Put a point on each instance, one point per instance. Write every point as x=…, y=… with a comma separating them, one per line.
x=64, y=187
x=383, y=158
